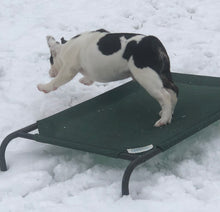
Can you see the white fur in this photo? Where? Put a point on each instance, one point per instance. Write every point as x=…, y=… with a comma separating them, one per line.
x=82, y=55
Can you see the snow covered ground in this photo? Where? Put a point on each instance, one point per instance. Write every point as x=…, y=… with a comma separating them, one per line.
x=48, y=178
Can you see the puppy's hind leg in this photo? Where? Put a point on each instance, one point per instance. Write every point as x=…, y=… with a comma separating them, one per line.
x=164, y=99
x=63, y=76
x=151, y=81
x=86, y=81
x=173, y=100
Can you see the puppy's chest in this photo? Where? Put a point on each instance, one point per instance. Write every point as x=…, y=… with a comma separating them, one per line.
x=105, y=72
x=102, y=67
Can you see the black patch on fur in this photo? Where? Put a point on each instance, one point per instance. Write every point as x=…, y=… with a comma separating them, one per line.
x=63, y=40
x=129, y=50
x=150, y=52
x=147, y=53
x=51, y=60
x=128, y=35
x=110, y=43
x=76, y=36
x=102, y=30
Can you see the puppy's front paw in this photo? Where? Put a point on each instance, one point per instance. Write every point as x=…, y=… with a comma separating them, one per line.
x=42, y=88
x=45, y=88
x=162, y=122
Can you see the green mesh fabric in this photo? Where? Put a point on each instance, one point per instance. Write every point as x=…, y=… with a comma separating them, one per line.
x=123, y=118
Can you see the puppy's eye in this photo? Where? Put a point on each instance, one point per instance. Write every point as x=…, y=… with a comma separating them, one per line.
x=51, y=60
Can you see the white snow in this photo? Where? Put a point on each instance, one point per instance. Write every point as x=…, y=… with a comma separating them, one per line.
x=46, y=178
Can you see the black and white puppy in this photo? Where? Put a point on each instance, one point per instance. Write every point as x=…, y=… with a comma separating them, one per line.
x=104, y=57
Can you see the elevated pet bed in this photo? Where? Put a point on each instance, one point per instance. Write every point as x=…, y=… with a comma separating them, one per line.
x=119, y=123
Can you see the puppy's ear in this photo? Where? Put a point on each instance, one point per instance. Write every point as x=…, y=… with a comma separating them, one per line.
x=63, y=40
x=51, y=41
x=54, y=45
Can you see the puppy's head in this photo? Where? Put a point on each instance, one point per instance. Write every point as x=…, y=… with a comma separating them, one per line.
x=54, y=47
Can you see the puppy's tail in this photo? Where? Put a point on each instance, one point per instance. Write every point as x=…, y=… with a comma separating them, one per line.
x=163, y=66
x=164, y=70
x=168, y=82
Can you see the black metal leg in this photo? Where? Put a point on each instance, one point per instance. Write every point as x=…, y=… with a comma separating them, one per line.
x=22, y=133
x=134, y=163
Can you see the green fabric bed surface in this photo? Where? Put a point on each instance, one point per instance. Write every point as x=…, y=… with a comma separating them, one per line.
x=124, y=117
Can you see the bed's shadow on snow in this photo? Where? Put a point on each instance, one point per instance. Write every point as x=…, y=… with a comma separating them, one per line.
x=91, y=159
x=195, y=148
